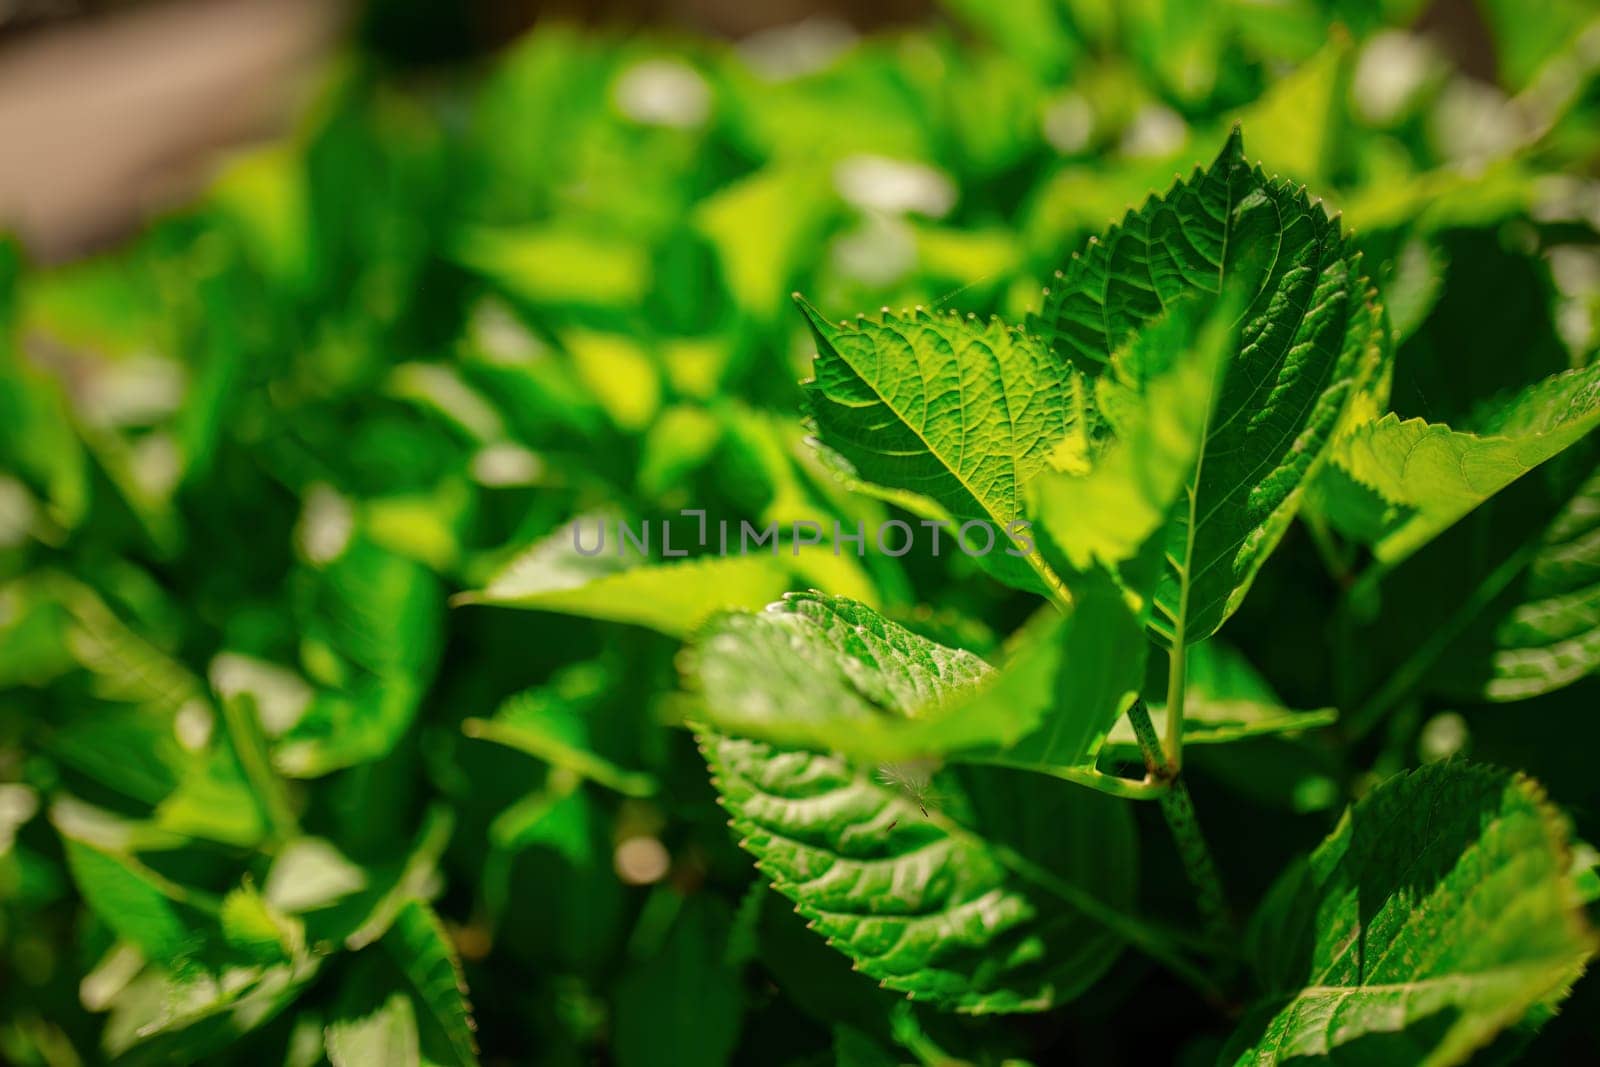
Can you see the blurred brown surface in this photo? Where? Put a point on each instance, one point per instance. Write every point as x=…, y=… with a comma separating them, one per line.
x=113, y=109
x=104, y=120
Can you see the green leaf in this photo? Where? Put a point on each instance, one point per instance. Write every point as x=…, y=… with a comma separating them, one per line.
x=310, y=873
x=254, y=927
x=139, y=904
x=1422, y=477
x=928, y=903
x=827, y=673
x=1066, y=682
x=1036, y=32
x=387, y=1035
x=1435, y=915
x=1300, y=115
x=959, y=412
x=556, y=818
x=420, y=948
x=370, y=633
x=764, y=227
x=405, y=1003
x=1157, y=396
x=1308, y=339
x=681, y=1006
x=357, y=913
x=823, y=670
x=1543, y=632
x=192, y=1016
x=560, y=266
x=618, y=586
x=1502, y=605
x=546, y=726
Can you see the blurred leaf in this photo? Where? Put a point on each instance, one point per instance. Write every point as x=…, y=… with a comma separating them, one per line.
x=558, y=266
x=388, y=1035
x=619, y=374
x=139, y=904
x=1102, y=509
x=254, y=927
x=673, y=598
x=542, y=724
x=371, y=631
x=420, y=948
x=1499, y=604
x=764, y=228
x=682, y=1006
x=1296, y=123
x=1543, y=632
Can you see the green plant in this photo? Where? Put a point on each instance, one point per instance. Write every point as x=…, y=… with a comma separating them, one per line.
x=314, y=715
x=1187, y=382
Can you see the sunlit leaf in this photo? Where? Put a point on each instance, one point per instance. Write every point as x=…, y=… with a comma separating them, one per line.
x=926, y=903
x=1309, y=337
x=571, y=574
x=1417, y=938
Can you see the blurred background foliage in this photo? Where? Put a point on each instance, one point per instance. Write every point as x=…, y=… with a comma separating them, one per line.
x=248, y=455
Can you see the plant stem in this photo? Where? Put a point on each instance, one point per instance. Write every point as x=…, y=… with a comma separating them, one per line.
x=1178, y=810
x=1128, y=788
x=1176, y=671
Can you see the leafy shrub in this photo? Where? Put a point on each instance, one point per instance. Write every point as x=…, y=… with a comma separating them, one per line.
x=1189, y=741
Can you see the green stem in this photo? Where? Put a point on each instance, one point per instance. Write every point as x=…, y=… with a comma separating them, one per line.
x=1092, y=778
x=1178, y=810
x=1177, y=668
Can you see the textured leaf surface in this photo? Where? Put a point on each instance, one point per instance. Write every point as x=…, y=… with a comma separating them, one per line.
x=671, y=597
x=1434, y=916
x=1157, y=398
x=828, y=673
x=1307, y=339
x=822, y=670
x=955, y=410
x=931, y=904
x=1422, y=477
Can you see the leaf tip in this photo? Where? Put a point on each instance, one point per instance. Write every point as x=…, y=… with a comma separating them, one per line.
x=1233, y=148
